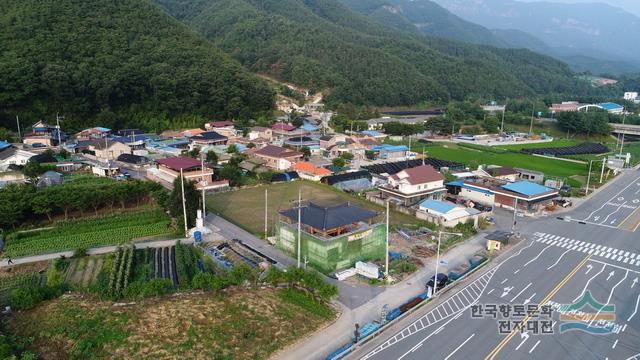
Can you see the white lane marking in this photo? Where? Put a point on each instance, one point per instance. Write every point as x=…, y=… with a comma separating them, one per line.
x=517, y=271
x=490, y=291
x=635, y=310
x=461, y=345
x=504, y=281
x=557, y=261
x=524, y=336
x=589, y=267
x=534, y=346
x=609, y=298
x=610, y=275
x=520, y=293
x=537, y=256
x=587, y=284
x=614, y=344
x=615, y=211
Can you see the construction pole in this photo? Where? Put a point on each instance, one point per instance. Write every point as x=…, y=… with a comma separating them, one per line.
x=588, y=177
x=18, y=124
x=184, y=205
x=299, y=223
x=266, y=229
x=386, y=249
x=602, y=171
x=435, y=277
x=533, y=109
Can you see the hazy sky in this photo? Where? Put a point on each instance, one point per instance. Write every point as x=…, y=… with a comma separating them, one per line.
x=632, y=6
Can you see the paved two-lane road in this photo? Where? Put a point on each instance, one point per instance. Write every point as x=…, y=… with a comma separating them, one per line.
x=594, y=259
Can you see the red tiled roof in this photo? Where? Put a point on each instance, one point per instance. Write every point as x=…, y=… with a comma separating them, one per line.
x=181, y=162
x=283, y=126
x=309, y=168
x=420, y=175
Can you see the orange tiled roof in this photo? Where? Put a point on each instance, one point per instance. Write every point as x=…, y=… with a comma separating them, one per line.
x=309, y=168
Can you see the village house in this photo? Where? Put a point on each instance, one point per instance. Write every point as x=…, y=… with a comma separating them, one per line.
x=105, y=149
x=42, y=134
x=207, y=138
x=410, y=186
x=224, y=128
x=309, y=171
x=169, y=169
x=503, y=173
x=13, y=156
x=260, y=132
x=93, y=133
x=277, y=157
x=446, y=213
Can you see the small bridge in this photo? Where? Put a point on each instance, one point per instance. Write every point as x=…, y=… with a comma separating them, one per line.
x=626, y=129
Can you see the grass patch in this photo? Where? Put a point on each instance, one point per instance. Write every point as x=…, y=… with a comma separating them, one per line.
x=89, y=232
x=241, y=324
x=245, y=207
x=550, y=167
x=305, y=302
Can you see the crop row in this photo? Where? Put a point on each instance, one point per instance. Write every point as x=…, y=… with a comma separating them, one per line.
x=121, y=271
x=45, y=242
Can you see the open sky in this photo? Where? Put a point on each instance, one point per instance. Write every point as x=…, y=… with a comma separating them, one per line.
x=632, y=6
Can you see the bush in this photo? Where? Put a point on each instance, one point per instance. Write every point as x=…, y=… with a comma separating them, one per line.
x=157, y=287
x=134, y=290
x=80, y=252
x=55, y=277
x=26, y=297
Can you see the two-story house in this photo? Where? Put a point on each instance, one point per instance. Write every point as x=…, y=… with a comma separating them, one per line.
x=277, y=157
x=410, y=186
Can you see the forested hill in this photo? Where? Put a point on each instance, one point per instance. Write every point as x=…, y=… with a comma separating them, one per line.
x=322, y=44
x=115, y=63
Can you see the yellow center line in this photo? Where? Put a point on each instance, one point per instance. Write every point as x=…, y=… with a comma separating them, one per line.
x=555, y=290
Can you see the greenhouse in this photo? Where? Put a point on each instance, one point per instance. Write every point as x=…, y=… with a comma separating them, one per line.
x=332, y=238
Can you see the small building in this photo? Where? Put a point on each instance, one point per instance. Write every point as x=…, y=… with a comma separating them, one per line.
x=332, y=238
x=390, y=152
x=14, y=157
x=277, y=157
x=612, y=108
x=106, y=150
x=169, y=169
x=208, y=138
x=446, y=213
x=504, y=173
x=307, y=170
x=133, y=159
x=137, y=143
x=410, y=186
x=496, y=239
x=564, y=107
x=191, y=132
x=530, y=175
x=530, y=198
x=43, y=134
x=93, y=133
x=213, y=125
x=351, y=181
x=260, y=132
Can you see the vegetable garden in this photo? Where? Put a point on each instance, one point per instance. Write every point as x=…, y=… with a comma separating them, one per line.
x=73, y=234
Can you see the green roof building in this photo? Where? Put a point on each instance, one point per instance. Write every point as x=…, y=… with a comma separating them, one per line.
x=332, y=238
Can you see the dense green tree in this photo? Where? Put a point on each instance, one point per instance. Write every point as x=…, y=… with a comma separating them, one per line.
x=116, y=64
x=339, y=162
x=212, y=157
x=32, y=170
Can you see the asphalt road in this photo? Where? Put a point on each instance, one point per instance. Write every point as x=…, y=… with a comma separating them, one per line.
x=583, y=268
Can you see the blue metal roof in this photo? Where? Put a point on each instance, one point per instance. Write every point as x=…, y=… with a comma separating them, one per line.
x=309, y=127
x=455, y=183
x=526, y=188
x=387, y=147
x=4, y=145
x=437, y=205
x=477, y=189
x=371, y=133
x=610, y=106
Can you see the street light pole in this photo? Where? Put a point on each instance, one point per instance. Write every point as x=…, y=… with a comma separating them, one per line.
x=184, y=205
x=299, y=224
x=435, y=277
x=515, y=211
x=386, y=249
x=602, y=171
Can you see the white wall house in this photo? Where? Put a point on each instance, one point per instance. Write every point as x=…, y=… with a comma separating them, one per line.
x=14, y=157
x=409, y=186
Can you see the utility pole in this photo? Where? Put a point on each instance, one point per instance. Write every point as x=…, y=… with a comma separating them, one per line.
x=502, y=126
x=624, y=118
x=58, y=128
x=435, y=277
x=586, y=192
x=602, y=171
x=204, y=184
x=18, y=124
x=299, y=223
x=266, y=229
x=184, y=205
x=386, y=249
x=515, y=210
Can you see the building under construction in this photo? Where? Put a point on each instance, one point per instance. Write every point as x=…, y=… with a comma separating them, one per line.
x=332, y=238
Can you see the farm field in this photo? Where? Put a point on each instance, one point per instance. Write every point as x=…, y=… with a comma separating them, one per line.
x=246, y=207
x=234, y=324
x=551, y=167
x=89, y=232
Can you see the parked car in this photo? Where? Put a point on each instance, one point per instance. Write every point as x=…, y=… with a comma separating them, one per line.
x=443, y=279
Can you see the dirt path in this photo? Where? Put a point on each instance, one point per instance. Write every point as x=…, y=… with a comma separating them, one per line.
x=87, y=275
